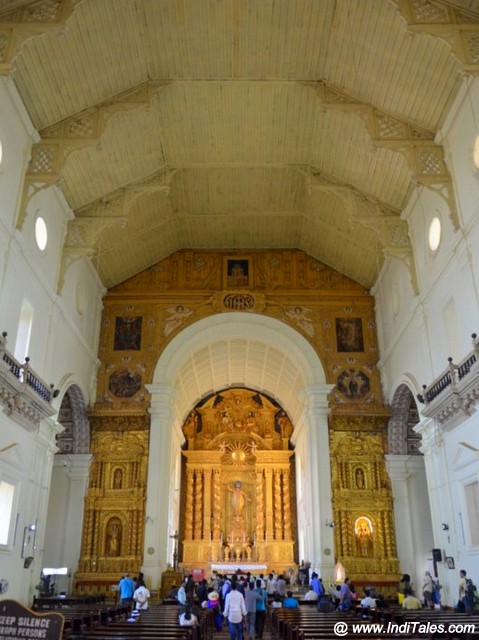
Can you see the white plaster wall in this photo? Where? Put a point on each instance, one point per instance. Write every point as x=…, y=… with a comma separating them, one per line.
x=64, y=340
x=417, y=335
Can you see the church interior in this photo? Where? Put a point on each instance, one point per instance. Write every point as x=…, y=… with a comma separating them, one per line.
x=239, y=285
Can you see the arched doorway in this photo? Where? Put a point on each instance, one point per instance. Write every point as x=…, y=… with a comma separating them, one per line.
x=239, y=350
x=71, y=466
x=407, y=472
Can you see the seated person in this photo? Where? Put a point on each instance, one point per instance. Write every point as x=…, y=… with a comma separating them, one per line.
x=311, y=595
x=289, y=602
x=276, y=602
x=171, y=595
x=411, y=602
x=367, y=602
x=325, y=605
x=188, y=619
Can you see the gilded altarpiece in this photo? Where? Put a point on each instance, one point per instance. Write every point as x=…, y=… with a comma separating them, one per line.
x=238, y=479
x=362, y=501
x=113, y=526
x=142, y=315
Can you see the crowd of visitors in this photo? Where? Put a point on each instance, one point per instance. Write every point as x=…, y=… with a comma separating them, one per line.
x=242, y=601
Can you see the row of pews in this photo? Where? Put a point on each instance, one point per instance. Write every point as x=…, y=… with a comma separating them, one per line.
x=91, y=618
x=159, y=623
x=307, y=623
x=81, y=613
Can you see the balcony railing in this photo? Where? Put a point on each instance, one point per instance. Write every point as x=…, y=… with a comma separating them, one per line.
x=454, y=390
x=25, y=395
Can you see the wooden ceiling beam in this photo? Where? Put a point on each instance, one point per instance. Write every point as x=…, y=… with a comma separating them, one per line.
x=33, y=19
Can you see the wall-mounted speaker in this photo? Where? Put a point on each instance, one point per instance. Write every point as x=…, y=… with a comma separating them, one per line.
x=437, y=555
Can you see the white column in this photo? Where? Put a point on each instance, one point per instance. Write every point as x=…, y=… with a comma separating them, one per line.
x=66, y=505
x=36, y=513
x=314, y=437
x=414, y=535
x=161, y=482
x=440, y=499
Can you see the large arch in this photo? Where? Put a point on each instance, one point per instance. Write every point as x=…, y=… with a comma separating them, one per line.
x=406, y=467
x=239, y=349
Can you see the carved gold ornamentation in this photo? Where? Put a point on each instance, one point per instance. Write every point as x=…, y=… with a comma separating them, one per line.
x=238, y=469
x=362, y=501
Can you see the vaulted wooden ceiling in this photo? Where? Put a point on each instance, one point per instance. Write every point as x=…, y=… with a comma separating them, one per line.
x=207, y=124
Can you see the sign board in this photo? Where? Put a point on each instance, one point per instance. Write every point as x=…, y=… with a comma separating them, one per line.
x=16, y=621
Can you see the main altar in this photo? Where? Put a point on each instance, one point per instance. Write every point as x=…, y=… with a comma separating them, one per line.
x=238, y=485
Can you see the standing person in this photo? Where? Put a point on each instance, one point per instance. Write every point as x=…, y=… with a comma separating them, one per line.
x=127, y=587
x=181, y=595
x=345, y=596
x=271, y=586
x=235, y=611
x=427, y=589
x=260, y=610
x=466, y=593
x=251, y=597
x=141, y=597
x=317, y=585
x=281, y=586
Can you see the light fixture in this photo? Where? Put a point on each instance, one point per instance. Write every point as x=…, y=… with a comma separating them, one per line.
x=444, y=526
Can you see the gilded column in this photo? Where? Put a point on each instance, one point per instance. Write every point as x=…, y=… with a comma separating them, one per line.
x=288, y=534
x=269, y=504
x=278, y=506
x=198, y=507
x=189, y=505
x=207, y=504
x=216, y=504
x=260, y=520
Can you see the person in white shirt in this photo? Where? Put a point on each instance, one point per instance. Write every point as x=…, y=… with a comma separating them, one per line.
x=235, y=612
x=188, y=619
x=311, y=595
x=141, y=597
x=368, y=602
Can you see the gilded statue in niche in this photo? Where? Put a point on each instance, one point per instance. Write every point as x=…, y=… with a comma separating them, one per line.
x=363, y=530
x=113, y=538
x=117, y=478
x=238, y=499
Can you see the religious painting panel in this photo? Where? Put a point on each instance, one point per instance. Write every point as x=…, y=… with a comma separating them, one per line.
x=124, y=383
x=127, y=333
x=353, y=384
x=349, y=334
x=237, y=271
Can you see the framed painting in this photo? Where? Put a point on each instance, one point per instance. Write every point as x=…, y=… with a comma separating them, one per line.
x=237, y=272
x=349, y=334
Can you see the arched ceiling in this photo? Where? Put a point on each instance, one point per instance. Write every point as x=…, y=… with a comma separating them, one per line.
x=238, y=350
x=173, y=124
